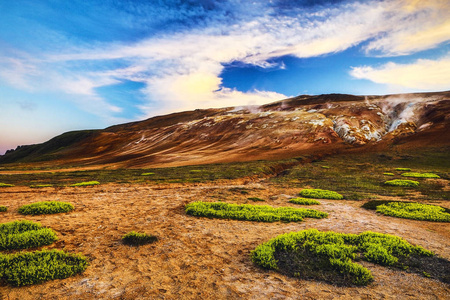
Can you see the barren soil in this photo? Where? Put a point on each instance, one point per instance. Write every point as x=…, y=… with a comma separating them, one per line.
x=200, y=258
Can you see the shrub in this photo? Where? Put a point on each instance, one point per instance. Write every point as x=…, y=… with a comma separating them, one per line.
x=304, y=201
x=27, y=268
x=389, y=174
x=147, y=174
x=320, y=194
x=311, y=254
x=86, y=183
x=402, y=182
x=41, y=185
x=420, y=175
x=136, y=238
x=6, y=184
x=3, y=208
x=402, y=169
x=415, y=211
x=255, y=199
x=46, y=207
x=260, y=213
x=24, y=234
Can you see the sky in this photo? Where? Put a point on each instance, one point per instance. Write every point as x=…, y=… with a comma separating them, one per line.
x=72, y=65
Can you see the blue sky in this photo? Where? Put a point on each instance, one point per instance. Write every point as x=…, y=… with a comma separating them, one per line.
x=69, y=65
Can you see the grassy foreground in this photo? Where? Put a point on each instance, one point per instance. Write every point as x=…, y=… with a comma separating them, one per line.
x=24, y=235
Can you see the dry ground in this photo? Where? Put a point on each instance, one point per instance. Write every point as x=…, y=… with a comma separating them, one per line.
x=199, y=258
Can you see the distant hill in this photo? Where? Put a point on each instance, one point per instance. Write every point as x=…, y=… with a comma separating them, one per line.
x=288, y=128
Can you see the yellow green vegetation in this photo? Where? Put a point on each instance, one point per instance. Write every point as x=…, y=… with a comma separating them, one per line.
x=6, y=184
x=304, y=201
x=41, y=185
x=3, y=208
x=24, y=234
x=415, y=211
x=46, y=207
x=320, y=194
x=86, y=183
x=389, y=174
x=329, y=256
x=148, y=174
x=402, y=182
x=402, y=169
x=420, y=175
x=260, y=213
x=137, y=238
x=27, y=268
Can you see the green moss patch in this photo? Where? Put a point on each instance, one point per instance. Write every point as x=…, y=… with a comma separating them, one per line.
x=6, y=184
x=414, y=211
x=137, y=238
x=420, y=175
x=3, y=208
x=148, y=174
x=402, y=182
x=304, y=201
x=86, y=183
x=403, y=169
x=389, y=174
x=46, y=207
x=329, y=256
x=24, y=234
x=41, y=185
x=320, y=194
x=259, y=213
x=35, y=267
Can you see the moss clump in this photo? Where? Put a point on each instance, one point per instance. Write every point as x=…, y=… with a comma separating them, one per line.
x=35, y=267
x=320, y=194
x=86, y=183
x=41, y=185
x=46, y=207
x=328, y=256
x=389, y=174
x=255, y=199
x=414, y=211
x=403, y=169
x=148, y=174
x=136, y=238
x=304, y=201
x=24, y=234
x=420, y=175
x=259, y=213
x=3, y=208
x=6, y=184
x=402, y=182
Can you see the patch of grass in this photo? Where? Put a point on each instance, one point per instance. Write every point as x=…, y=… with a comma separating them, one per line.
x=320, y=194
x=402, y=182
x=304, y=201
x=46, y=207
x=389, y=174
x=372, y=205
x=24, y=234
x=27, y=268
x=259, y=213
x=414, y=211
x=402, y=169
x=134, y=238
x=6, y=184
x=325, y=167
x=86, y=183
x=420, y=175
x=3, y=208
x=328, y=256
x=148, y=174
x=255, y=199
x=41, y=185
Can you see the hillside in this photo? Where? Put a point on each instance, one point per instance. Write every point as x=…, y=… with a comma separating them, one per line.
x=288, y=128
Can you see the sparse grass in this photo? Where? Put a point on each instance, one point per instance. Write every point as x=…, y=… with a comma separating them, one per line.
x=389, y=174
x=148, y=174
x=402, y=182
x=134, y=238
x=328, y=256
x=255, y=199
x=46, y=207
x=86, y=183
x=320, y=194
x=27, y=268
x=24, y=234
x=402, y=169
x=3, y=208
x=259, y=213
x=414, y=211
x=6, y=184
x=41, y=185
x=420, y=175
x=304, y=201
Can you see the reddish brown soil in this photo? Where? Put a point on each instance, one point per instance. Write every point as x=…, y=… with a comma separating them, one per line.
x=199, y=258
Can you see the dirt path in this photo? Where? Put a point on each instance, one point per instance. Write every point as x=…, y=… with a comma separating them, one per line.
x=199, y=258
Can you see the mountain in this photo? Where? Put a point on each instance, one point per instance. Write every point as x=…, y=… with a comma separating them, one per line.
x=288, y=128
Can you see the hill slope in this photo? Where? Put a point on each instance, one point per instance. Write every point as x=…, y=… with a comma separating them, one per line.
x=287, y=128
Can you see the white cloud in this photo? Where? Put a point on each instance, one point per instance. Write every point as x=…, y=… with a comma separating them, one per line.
x=422, y=75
